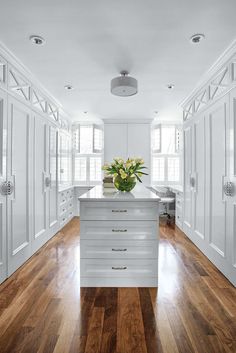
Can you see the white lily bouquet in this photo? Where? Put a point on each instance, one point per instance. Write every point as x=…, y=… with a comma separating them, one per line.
x=125, y=173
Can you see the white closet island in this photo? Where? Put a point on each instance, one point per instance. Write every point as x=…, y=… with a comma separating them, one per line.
x=119, y=238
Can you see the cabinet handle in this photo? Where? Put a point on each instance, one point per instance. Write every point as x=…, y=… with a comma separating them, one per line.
x=119, y=249
x=119, y=268
x=119, y=230
x=119, y=211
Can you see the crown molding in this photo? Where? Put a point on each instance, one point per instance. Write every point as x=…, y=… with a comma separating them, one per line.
x=228, y=53
x=13, y=60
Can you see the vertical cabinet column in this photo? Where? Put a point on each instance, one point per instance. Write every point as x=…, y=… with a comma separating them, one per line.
x=3, y=197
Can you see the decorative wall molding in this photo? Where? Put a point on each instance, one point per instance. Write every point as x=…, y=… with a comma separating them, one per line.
x=219, y=79
x=17, y=80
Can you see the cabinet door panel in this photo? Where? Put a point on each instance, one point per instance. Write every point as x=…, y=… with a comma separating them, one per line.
x=115, y=141
x=19, y=207
x=3, y=199
x=217, y=128
x=187, y=222
x=39, y=188
x=53, y=190
x=139, y=145
x=199, y=173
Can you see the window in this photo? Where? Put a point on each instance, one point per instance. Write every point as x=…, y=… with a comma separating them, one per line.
x=158, y=169
x=80, y=168
x=65, y=159
x=166, y=154
x=173, y=169
x=156, y=138
x=95, y=168
x=87, y=152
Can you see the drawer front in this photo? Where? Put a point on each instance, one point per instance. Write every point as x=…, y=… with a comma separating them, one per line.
x=63, y=219
x=118, y=210
x=62, y=197
x=119, y=230
x=62, y=208
x=69, y=193
x=70, y=213
x=179, y=217
x=118, y=249
x=70, y=204
x=118, y=268
x=178, y=201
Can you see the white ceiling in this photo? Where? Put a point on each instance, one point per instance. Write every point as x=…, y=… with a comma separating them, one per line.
x=91, y=41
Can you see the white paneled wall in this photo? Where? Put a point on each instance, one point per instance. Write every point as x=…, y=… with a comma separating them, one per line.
x=29, y=127
x=210, y=173
x=128, y=140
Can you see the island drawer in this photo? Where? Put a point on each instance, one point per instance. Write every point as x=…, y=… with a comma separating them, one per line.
x=95, y=210
x=118, y=249
x=119, y=230
x=118, y=268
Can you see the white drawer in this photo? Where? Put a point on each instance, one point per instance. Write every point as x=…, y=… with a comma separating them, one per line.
x=178, y=201
x=94, y=210
x=120, y=230
x=118, y=268
x=62, y=197
x=70, y=213
x=69, y=193
x=118, y=249
x=63, y=219
x=179, y=217
x=70, y=204
x=62, y=209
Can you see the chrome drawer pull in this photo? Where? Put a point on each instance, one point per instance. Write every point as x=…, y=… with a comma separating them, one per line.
x=119, y=249
x=120, y=211
x=119, y=230
x=119, y=268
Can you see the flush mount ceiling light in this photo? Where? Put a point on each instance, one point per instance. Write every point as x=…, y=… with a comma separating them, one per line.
x=170, y=86
x=124, y=85
x=37, y=40
x=68, y=87
x=197, y=38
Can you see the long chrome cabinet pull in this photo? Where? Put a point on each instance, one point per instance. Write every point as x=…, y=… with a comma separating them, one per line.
x=119, y=249
x=119, y=268
x=119, y=230
x=120, y=211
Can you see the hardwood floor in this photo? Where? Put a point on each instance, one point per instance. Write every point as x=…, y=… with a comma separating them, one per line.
x=44, y=310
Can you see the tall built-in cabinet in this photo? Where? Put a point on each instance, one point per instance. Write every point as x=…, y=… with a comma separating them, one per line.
x=29, y=127
x=128, y=139
x=210, y=169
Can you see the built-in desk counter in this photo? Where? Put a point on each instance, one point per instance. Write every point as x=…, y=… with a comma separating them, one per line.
x=119, y=238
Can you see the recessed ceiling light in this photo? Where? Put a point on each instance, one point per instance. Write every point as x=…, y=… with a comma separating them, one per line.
x=170, y=86
x=197, y=38
x=37, y=40
x=68, y=87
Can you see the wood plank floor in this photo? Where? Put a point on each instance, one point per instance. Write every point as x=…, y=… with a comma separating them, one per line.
x=44, y=310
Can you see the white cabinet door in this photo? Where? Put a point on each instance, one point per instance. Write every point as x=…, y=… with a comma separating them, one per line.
x=139, y=145
x=187, y=216
x=115, y=141
x=19, y=166
x=40, y=207
x=3, y=198
x=52, y=169
x=231, y=200
x=217, y=163
x=198, y=178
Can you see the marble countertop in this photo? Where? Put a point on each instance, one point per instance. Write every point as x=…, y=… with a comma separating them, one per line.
x=174, y=188
x=139, y=193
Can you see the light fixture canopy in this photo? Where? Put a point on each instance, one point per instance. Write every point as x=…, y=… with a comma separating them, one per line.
x=68, y=87
x=197, y=38
x=37, y=40
x=124, y=85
